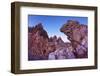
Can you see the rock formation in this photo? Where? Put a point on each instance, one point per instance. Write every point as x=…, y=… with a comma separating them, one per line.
x=37, y=43
x=77, y=34
x=65, y=52
x=43, y=47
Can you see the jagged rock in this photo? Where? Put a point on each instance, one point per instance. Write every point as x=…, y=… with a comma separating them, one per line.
x=77, y=34
x=37, y=42
x=43, y=47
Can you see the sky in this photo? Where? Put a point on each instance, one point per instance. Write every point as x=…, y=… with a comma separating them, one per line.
x=52, y=24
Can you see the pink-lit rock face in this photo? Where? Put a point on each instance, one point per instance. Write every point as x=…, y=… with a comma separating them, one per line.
x=37, y=43
x=77, y=34
x=43, y=47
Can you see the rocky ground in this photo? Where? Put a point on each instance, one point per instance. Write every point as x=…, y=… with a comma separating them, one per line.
x=43, y=47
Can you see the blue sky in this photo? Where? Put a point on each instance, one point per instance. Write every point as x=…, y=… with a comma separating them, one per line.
x=52, y=24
